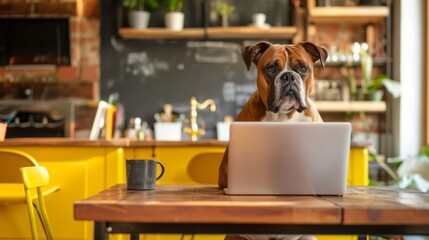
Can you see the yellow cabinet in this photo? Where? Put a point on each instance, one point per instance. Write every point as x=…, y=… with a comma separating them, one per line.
x=200, y=164
x=190, y=164
x=80, y=172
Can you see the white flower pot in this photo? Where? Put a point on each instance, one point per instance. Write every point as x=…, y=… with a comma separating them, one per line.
x=223, y=131
x=168, y=131
x=174, y=21
x=138, y=19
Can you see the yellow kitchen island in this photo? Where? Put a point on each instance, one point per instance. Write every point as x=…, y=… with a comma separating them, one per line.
x=83, y=168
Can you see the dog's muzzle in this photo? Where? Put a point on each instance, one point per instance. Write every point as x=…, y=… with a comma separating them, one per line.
x=288, y=88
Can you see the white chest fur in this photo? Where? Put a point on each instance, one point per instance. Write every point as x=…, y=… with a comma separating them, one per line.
x=284, y=117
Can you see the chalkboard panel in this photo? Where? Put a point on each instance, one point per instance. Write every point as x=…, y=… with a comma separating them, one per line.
x=148, y=74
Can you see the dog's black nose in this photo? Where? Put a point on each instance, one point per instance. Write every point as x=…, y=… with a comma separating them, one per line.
x=288, y=77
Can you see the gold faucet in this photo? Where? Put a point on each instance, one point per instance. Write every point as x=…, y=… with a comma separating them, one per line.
x=194, y=131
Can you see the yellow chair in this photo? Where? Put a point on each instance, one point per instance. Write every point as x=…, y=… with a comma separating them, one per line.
x=11, y=182
x=35, y=178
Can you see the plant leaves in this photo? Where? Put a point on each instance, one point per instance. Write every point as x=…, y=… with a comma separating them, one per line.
x=367, y=67
x=414, y=181
x=140, y=4
x=174, y=5
x=425, y=151
x=393, y=87
x=152, y=4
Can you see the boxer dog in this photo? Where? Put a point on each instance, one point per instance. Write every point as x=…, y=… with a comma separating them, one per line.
x=284, y=83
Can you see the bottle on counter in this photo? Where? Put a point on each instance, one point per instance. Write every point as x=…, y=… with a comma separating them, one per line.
x=138, y=130
x=131, y=131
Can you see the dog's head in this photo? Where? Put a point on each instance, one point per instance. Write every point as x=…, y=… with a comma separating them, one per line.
x=285, y=73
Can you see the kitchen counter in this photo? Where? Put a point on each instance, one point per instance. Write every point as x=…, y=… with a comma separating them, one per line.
x=124, y=142
x=83, y=168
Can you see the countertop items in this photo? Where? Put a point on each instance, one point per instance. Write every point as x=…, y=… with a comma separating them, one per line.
x=168, y=125
x=168, y=115
x=194, y=130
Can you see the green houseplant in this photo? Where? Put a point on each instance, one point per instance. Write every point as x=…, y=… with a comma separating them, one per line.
x=373, y=87
x=138, y=17
x=411, y=172
x=225, y=11
x=174, y=17
x=174, y=5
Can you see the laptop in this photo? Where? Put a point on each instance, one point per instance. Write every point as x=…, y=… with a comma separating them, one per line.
x=279, y=158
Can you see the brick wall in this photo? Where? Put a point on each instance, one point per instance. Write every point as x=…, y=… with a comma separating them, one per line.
x=81, y=78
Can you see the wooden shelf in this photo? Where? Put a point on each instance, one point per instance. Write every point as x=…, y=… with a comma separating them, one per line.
x=356, y=15
x=162, y=33
x=251, y=32
x=353, y=106
x=212, y=33
x=377, y=62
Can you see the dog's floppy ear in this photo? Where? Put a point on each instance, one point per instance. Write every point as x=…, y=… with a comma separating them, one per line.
x=252, y=53
x=315, y=52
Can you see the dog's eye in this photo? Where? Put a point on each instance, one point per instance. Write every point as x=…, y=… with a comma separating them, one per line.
x=302, y=69
x=271, y=70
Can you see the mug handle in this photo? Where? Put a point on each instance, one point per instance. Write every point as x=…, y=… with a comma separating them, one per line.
x=162, y=170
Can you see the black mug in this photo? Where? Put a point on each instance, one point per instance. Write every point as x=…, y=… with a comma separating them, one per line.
x=141, y=174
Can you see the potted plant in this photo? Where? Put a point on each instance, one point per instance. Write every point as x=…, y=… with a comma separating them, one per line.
x=137, y=16
x=373, y=87
x=411, y=172
x=370, y=88
x=225, y=11
x=174, y=18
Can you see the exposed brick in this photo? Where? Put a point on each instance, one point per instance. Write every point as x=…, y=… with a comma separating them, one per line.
x=68, y=73
x=75, y=55
x=2, y=72
x=91, y=8
x=29, y=73
x=74, y=25
x=76, y=81
x=75, y=40
x=96, y=91
x=89, y=26
x=68, y=8
x=90, y=73
x=15, y=8
x=25, y=75
x=85, y=60
x=90, y=40
x=13, y=1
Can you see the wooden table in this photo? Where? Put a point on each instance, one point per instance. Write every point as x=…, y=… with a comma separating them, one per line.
x=206, y=209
